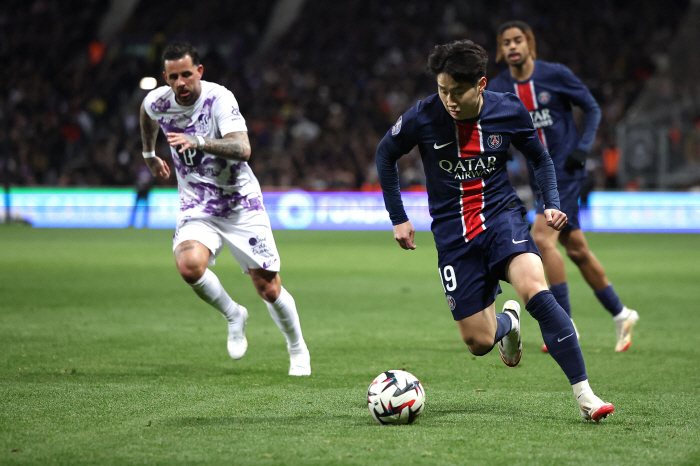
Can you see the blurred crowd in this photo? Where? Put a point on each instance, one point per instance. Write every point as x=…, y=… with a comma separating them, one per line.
x=316, y=102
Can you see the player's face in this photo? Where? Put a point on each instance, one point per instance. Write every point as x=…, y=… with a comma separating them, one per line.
x=514, y=47
x=461, y=100
x=183, y=78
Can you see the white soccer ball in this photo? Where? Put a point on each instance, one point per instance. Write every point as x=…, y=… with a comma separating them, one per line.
x=395, y=397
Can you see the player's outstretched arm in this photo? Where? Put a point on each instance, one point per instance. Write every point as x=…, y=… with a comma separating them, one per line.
x=555, y=218
x=233, y=146
x=404, y=234
x=149, y=133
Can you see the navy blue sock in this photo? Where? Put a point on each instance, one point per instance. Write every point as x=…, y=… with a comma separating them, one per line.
x=558, y=334
x=609, y=299
x=504, y=325
x=561, y=294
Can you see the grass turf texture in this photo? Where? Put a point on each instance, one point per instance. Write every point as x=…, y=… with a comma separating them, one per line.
x=107, y=357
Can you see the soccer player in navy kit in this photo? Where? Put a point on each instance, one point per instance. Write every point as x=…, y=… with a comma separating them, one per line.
x=463, y=133
x=548, y=91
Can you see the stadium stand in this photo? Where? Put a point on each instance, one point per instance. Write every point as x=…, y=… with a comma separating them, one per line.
x=317, y=101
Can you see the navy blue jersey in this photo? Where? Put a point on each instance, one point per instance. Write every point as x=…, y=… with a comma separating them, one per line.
x=465, y=164
x=549, y=94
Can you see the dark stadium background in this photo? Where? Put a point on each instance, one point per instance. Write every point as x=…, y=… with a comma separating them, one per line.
x=319, y=90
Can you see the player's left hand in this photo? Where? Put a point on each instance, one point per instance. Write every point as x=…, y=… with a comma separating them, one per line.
x=404, y=234
x=158, y=167
x=184, y=140
x=555, y=218
x=575, y=161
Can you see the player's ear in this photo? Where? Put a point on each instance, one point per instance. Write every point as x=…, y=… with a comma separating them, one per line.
x=481, y=85
x=200, y=70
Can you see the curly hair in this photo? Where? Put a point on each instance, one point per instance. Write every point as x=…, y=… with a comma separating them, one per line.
x=525, y=28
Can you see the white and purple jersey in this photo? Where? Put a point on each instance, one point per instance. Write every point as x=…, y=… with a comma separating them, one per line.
x=208, y=185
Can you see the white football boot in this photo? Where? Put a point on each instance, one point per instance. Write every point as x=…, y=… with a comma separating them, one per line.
x=300, y=361
x=623, y=328
x=511, y=346
x=544, y=346
x=592, y=407
x=237, y=342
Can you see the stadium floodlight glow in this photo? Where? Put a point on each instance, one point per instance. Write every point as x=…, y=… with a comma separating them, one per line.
x=148, y=83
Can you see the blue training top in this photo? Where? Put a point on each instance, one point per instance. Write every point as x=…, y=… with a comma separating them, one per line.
x=465, y=164
x=549, y=94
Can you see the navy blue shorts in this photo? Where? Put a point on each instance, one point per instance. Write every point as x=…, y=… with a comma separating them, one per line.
x=569, y=192
x=471, y=273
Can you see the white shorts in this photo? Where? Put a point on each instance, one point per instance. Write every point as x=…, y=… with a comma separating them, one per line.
x=248, y=237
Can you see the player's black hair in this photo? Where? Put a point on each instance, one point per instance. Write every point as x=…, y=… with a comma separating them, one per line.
x=464, y=60
x=523, y=26
x=178, y=50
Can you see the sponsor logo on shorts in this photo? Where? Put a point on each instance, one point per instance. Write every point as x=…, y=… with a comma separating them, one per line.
x=267, y=265
x=451, y=302
x=259, y=247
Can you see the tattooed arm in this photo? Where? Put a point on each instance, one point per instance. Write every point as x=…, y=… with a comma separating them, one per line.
x=149, y=133
x=233, y=146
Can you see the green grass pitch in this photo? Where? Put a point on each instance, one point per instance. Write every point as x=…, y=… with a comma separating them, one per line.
x=107, y=357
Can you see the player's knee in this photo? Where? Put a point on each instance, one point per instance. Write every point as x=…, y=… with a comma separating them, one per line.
x=479, y=346
x=544, y=241
x=269, y=291
x=191, y=272
x=577, y=255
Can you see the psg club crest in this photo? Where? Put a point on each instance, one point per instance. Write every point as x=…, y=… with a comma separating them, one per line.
x=544, y=98
x=494, y=141
x=397, y=127
x=450, y=302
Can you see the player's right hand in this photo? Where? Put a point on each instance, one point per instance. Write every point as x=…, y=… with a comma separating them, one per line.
x=158, y=167
x=555, y=219
x=404, y=234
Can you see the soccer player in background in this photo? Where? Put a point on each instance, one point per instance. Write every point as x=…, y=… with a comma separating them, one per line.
x=548, y=91
x=220, y=199
x=463, y=133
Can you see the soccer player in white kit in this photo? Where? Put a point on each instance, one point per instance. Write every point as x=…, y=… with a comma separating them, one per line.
x=220, y=199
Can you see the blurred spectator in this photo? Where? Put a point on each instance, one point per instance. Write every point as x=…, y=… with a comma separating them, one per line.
x=316, y=104
x=611, y=160
x=692, y=145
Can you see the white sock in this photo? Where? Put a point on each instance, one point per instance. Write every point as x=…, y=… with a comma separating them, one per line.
x=622, y=315
x=581, y=387
x=211, y=291
x=284, y=313
x=514, y=322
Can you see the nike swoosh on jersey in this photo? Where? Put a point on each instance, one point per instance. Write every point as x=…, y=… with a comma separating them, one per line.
x=435, y=146
x=518, y=242
x=562, y=339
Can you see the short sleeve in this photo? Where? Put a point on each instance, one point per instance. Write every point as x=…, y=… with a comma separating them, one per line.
x=228, y=115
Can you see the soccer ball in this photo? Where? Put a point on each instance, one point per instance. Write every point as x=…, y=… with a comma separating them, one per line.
x=395, y=397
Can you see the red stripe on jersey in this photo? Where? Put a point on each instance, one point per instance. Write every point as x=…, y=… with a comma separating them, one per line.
x=540, y=133
x=469, y=137
x=472, y=203
x=526, y=93
x=471, y=200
